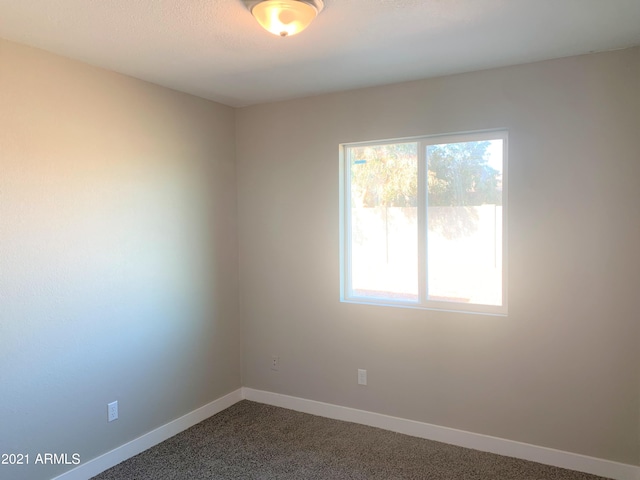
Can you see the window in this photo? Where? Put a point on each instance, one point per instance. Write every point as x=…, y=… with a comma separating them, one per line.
x=423, y=222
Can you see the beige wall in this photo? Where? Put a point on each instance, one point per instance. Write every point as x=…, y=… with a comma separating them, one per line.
x=562, y=370
x=118, y=256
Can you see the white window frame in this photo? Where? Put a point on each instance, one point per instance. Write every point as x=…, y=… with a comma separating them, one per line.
x=346, y=291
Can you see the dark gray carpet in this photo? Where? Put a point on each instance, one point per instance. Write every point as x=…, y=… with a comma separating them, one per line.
x=254, y=441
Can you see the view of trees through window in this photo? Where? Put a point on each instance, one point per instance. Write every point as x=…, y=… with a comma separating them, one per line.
x=462, y=250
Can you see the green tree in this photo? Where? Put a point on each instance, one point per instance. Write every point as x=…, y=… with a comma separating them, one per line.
x=385, y=175
x=458, y=175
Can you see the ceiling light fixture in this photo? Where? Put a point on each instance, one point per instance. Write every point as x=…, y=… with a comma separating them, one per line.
x=286, y=17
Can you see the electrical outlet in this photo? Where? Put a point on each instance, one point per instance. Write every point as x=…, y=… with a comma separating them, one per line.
x=112, y=411
x=362, y=377
x=275, y=363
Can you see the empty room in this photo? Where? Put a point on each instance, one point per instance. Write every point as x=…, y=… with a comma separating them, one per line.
x=304, y=239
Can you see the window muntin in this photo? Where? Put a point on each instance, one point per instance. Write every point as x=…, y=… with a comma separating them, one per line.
x=423, y=222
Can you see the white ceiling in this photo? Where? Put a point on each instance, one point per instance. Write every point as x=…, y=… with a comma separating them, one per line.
x=215, y=49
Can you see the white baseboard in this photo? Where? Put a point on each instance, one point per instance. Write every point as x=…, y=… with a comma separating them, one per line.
x=501, y=446
x=485, y=443
x=103, y=462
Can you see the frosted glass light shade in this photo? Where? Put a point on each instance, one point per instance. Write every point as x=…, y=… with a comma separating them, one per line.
x=284, y=17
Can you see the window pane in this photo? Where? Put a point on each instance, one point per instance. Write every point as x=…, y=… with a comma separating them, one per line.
x=464, y=219
x=384, y=226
